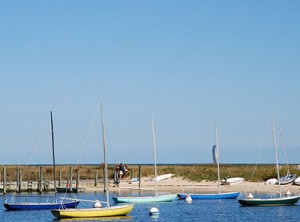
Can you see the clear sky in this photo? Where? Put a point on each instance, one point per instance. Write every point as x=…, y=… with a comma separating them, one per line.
x=186, y=63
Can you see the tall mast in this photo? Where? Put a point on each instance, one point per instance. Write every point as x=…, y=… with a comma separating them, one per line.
x=105, y=161
x=276, y=156
x=53, y=152
x=218, y=162
x=154, y=152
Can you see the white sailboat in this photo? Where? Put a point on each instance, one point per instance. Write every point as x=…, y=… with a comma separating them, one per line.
x=147, y=199
x=289, y=177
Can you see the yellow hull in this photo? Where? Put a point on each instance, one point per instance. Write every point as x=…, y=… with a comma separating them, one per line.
x=120, y=210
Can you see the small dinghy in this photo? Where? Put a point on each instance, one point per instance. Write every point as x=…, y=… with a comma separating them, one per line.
x=232, y=180
x=288, y=178
x=297, y=181
x=271, y=181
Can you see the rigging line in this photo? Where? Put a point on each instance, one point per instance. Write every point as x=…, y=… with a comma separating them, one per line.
x=191, y=171
x=35, y=145
x=63, y=168
x=87, y=136
x=109, y=144
x=37, y=141
x=114, y=157
x=284, y=150
x=83, y=146
x=262, y=144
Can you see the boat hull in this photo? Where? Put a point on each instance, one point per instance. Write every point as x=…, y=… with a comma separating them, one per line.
x=39, y=206
x=297, y=181
x=269, y=201
x=290, y=178
x=271, y=181
x=232, y=181
x=230, y=195
x=113, y=211
x=66, y=190
x=145, y=199
x=163, y=177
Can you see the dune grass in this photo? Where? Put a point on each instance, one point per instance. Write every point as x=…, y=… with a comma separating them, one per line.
x=197, y=172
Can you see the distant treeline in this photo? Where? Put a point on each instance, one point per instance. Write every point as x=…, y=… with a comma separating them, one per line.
x=193, y=172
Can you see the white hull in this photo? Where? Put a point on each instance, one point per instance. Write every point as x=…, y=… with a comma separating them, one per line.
x=297, y=181
x=271, y=181
x=232, y=181
x=163, y=177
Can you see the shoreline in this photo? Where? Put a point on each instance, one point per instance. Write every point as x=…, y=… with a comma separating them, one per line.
x=176, y=185
x=179, y=185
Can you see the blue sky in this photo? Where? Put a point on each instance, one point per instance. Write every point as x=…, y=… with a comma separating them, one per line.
x=186, y=63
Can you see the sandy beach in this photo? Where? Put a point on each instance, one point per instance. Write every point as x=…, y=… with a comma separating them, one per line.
x=179, y=185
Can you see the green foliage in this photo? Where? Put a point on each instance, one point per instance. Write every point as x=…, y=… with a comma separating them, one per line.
x=199, y=172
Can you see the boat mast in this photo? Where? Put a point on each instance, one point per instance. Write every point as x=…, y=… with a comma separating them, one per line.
x=154, y=151
x=276, y=156
x=218, y=164
x=53, y=153
x=105, y=161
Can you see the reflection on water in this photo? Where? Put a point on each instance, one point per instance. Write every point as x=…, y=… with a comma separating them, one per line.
x=155, y=217
x=115, y=219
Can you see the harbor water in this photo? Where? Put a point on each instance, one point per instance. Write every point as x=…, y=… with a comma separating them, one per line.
x=198, y=210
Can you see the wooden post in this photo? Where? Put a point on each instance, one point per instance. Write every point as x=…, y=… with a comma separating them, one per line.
x=96, y=178
x=20, y=181
x=4, y=180
x=71, y=177
x=104, y=178
x=40, y=190
x=17, y=180
x=140, y=175
x=77, y=180
x=59, y=182
x=131, y=173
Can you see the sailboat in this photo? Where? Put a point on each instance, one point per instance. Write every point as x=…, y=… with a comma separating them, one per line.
x=97, y=210
x=148, y=199
x=51, y=201
x=281, y=200
x=289, y=177
x=219, y=195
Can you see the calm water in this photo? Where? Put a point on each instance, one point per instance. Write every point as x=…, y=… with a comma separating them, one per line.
x=198, y=210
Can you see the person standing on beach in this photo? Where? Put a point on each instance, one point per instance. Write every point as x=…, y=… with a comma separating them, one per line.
x=116, y=176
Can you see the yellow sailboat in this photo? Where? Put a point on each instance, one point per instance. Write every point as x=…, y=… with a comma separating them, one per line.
x=112, y=211
x=97, y=210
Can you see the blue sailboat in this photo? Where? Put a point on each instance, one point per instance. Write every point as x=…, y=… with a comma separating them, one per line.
x=27, y=202
x=219, y=195
x=229, y=195
x=31, y=202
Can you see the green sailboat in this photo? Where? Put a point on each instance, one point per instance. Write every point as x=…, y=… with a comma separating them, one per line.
x=281, y=200
x=291, y=200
